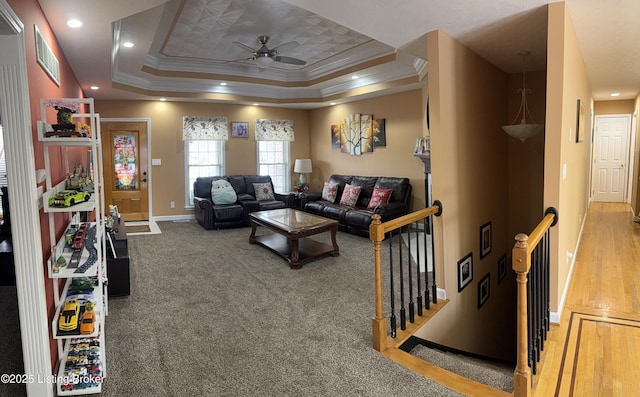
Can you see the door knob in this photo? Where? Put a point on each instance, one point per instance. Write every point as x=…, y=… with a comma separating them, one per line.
x=144, y=180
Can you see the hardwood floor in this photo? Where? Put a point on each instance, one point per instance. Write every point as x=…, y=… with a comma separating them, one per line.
x=594, y=351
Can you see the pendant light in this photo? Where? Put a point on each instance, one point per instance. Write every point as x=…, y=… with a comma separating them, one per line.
x=523, y=130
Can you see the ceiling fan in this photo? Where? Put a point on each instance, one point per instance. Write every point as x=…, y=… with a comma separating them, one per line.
x=264, y=56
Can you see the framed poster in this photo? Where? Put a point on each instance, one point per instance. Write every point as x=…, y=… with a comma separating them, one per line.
x=239, y=129
x=485, y=240
x=484, y=290
x=465, y=271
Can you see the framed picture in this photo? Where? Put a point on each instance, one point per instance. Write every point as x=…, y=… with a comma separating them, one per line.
x=335, y=136
x=502, y=268
x=484, y=289
x=485, y=239
x=379, y=132
x=465, y=271
x=422, y=146
x=239, y=129
x=580, y=122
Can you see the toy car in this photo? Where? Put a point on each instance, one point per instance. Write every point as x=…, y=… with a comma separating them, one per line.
x=68, y=320
x=87, y=322
x=67, y=198
x=81, y=284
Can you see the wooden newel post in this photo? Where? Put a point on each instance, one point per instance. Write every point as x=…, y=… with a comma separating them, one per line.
x=521, y=264
x=378, y=322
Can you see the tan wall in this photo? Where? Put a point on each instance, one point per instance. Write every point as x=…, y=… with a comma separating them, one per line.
x=614, y=107
x=468, y=103
x=566, y=83
x=526, y=159
x=635, y=196
x=403, y=114
x=168, y=179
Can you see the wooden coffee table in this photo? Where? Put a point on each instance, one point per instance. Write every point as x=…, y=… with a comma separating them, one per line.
x=292, y=227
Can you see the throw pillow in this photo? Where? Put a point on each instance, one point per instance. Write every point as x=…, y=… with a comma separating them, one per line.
x=264, y=191
x=379, y=197
x=350, y=195
x=222, y=192
x=329, y=192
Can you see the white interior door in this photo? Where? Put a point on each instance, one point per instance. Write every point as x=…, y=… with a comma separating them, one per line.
x=611, y=155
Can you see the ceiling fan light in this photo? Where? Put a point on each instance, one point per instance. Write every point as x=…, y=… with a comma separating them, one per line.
x=264, y=62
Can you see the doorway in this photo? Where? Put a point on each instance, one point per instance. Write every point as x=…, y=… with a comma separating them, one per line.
x=125, y=157
x=610, y=158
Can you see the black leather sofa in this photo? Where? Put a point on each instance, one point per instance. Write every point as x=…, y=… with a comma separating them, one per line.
x=357, y=219
x=225, y=216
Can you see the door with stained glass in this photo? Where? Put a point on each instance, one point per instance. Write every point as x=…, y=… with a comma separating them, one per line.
x=124, y=152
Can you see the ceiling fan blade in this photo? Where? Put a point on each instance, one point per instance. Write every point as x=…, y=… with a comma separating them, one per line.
x=284, y=47
x=289, y=60
x=245, y=47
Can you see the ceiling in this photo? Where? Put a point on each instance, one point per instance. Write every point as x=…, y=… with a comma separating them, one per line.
x=184, y=49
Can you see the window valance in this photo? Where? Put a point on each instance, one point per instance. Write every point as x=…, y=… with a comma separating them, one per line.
x=204, y=127
x=274, y=130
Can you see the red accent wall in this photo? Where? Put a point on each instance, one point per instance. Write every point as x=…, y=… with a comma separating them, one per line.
x=42, y=86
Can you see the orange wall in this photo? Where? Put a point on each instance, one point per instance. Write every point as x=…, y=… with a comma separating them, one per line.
x=41, y=86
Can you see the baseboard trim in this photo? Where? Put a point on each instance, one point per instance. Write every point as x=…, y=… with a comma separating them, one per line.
x=173, y=218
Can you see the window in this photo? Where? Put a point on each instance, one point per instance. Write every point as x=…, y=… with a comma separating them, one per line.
x=202, y=158
x=273, y=160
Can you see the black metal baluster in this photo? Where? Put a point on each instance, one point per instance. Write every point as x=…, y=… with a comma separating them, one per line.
x=427, y=296
x=419, y=297
x=538, y=311
x=412, y=308
x=403, y=311
x=547, y=297
x=392, y=318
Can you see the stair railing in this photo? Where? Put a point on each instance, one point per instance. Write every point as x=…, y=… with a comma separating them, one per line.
x=401, y=274
x=530, y=261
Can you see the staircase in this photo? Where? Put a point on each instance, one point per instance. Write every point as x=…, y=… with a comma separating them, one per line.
x=412, y=301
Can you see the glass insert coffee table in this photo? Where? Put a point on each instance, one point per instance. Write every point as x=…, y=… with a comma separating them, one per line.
x=291, y=229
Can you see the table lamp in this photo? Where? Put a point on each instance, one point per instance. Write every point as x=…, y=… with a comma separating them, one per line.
x=302, y=166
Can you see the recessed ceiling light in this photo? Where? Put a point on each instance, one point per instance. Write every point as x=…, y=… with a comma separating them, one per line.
x=355, y=76
x=163, y=99
x=223, y=83
x=332, y=103
x=74, y=23
x=615, y=94
x=127, y=44
x=256, y=104
x=95, y=87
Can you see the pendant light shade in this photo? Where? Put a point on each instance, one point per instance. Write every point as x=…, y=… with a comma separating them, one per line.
x=524, y=129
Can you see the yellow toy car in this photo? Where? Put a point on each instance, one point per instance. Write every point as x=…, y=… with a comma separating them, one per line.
x=68, y=320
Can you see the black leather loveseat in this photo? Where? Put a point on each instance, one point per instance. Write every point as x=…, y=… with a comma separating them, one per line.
x=356, y=219
x=223, y=216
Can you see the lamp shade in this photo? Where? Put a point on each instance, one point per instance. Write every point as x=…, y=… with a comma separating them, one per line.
x=302, y=166
x=523, y=131
x=264, y=61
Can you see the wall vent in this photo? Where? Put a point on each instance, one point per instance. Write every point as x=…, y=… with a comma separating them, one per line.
x=46, y=58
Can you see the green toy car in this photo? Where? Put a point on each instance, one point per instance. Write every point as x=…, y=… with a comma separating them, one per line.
x=67, y=198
